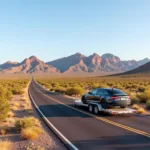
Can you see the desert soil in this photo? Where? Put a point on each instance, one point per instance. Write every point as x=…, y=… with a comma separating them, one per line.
x=47, y=140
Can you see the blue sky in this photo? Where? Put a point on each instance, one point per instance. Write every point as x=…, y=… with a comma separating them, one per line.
x=52, y=29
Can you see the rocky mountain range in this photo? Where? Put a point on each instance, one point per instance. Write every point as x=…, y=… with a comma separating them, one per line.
x=74, y=63
x=144, y=69
x=95, y=63
x=29, y=65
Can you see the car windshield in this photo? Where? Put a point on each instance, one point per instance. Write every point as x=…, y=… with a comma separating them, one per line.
x=115, y=92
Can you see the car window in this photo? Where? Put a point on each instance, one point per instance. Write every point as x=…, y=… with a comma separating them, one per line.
x=105, y=93
x=115, y=92
x=94, y=91
x=102, y=92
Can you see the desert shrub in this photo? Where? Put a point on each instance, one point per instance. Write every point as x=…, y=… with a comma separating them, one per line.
x=142, y=111
x=9, y=95
x=3, y=92
x=60, y=89
x=135, y=106
x=141, y=89
x=95, y=85
x=17, y=91
x=24, y=123
x=75, y=91
x=5, y=145
x=31, y=133
x=148, y=104
x=4, y=105
x=128, y=86
x=11, y=114
x=127, y=92
x=4, y=108
x=145, y=96
x=118, y=87
x=135, y=100
x=134, y=86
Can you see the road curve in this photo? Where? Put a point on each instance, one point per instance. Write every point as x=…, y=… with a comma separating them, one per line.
x=87, y=132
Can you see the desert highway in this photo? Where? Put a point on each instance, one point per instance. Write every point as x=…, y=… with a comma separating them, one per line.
x=89, y=132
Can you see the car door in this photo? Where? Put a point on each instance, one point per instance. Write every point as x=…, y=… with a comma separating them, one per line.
x=91, y=95
x=99, y=94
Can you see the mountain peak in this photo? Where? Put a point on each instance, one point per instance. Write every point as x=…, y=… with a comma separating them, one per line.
x=95, y=55
x=11, y=62
x=33, y=57
x=111, y=57
x=79, y=54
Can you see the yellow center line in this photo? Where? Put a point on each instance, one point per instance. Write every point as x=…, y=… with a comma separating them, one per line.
x=100, y=118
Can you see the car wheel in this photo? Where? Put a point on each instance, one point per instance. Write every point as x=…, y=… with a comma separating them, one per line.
x=104, y=103
x=96, y=110
x=90, y=108
x=83, y=99
x=123, y=106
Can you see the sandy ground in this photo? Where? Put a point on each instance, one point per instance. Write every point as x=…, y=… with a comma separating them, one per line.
x=47, y=140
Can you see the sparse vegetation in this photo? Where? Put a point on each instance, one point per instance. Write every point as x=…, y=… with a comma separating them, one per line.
x=14, y=95
x=31, y=133
x=75, y=91
x=5, y=145
x=4, y=104
x=29, y=128
x=137, y=88
x=24, y=123
x=148, y=104
x=142, y=111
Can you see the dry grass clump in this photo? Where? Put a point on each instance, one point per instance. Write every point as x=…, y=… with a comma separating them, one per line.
x=135, y=99
x=135, y=106
x=142, y=111
x=144, y=96
x=14, y=108
x=24, y=123
x=75, y=91
x=32, y=146
x=11, y=114
x=23, y=99
x=31, y=133
x=30, y=112
x=10, y=120
x=5, y=145
x=148, y=104
x=139, y=109
x=60, y=89
x=29, y=127
x=16, y=104
x=3, y=131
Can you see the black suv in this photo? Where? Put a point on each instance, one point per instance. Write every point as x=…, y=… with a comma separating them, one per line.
x=107, y=97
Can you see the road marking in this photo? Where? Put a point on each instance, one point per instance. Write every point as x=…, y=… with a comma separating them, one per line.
x=53, y=127
x=100, y=118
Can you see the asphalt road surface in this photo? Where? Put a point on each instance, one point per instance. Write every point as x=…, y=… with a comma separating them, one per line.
x=86, y=132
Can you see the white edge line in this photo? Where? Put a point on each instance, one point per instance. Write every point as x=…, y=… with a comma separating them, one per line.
x=63, y=138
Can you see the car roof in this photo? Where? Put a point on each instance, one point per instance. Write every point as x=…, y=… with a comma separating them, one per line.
x=108, y=89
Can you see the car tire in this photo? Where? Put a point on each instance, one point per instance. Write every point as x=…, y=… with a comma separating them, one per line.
x=90, y=107
x=104, y=103
x=75, y=105
x=83, y=99
x=123, y=106
x=96, y=110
